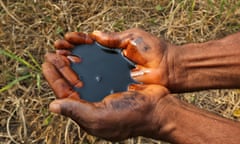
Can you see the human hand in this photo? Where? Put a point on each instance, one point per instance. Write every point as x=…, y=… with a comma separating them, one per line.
x=118, y=116
x=149, y=53
x=59, y=63
x=146, y=110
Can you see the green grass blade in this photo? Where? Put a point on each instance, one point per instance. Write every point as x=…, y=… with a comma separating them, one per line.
x=19, y=59
x=11, y=84
x=34, y=60
x=38, y=81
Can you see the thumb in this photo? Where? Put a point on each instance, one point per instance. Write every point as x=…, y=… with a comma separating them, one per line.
x=112, y=40
x=78, y=110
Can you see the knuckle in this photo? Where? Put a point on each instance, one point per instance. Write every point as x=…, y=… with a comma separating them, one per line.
x=56, y=60
x=68, y=35
x=56, y=43
x=47, y=55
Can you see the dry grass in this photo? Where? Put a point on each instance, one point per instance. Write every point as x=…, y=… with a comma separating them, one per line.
x=29, y=28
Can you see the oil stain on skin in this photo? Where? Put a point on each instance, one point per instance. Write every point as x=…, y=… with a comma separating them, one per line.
x=103, y=71
x=128, y=100
x=139, y=42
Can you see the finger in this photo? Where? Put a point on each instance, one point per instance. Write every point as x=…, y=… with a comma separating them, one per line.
x=63, y=66
x=63, y=47
x=149, y=90
x=62, y=44
x=148, y=78
x=139, y=71
x=134, y=55
x=63, y=52
x=78, y=38
x=146, y=75
x=81, y=111
x=136, y=87
x=113, y=40
x=60, y=87
x=68, y=53
x=74, y=59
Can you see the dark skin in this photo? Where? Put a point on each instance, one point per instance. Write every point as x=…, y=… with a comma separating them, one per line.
x=148, y=109
x=148, y=52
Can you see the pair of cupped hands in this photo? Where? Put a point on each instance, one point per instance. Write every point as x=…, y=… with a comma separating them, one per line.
x=119, y=115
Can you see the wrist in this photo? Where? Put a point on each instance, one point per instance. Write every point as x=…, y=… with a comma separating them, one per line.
x=162, y=118
x=205, y=66
x=185, y=63
x=208, y=65
x=180, y=122
x=176, y=73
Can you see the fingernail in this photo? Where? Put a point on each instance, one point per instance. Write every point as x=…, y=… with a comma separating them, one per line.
x=96, y=32
x=55, y=107
x=133, y=43
x=74, y=59
x=79, y=84
x=139, y=73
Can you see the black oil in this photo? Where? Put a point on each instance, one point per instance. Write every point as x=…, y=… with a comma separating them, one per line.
x=103, y=71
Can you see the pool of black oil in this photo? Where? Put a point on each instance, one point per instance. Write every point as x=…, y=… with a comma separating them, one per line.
x=102, y=70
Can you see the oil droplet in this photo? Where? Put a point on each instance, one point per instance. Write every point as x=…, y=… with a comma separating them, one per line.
x=98, y=78
x=111, y=91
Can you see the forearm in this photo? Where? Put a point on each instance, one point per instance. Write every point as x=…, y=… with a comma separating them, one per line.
x=214, y=64
x=181, y=123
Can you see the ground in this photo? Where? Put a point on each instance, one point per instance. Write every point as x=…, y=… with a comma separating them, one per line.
x=28, y=29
